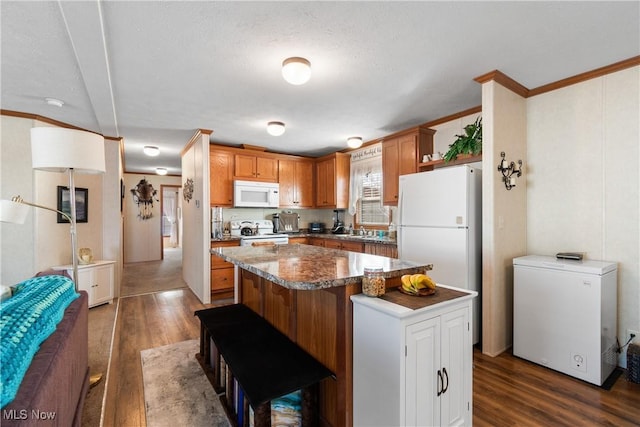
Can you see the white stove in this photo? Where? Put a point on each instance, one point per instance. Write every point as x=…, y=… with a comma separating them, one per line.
x=256, y=231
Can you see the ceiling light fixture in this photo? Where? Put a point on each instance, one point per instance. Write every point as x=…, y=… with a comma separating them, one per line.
x=296, y=70
x=161, y=171
x=54, y=102
x=150, y=150
x=354, y=142
x=275, y=128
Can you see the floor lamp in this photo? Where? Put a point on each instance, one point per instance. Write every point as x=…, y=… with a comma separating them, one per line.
x=61, y=150
x=73, y=151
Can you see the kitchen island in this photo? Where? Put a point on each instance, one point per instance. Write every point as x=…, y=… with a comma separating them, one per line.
x=304, y=291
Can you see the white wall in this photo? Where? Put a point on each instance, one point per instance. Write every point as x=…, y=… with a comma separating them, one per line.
x=583, y=181
x=112, y=225
x=41, y=242
x=196, y=214
x=143, y=238
x=503, y=212
x=16, y=241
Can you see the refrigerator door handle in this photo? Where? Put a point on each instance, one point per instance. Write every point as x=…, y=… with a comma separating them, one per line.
x=399, y=225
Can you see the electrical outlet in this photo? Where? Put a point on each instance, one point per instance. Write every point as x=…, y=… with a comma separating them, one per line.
x=578, y=362
x=630, y=332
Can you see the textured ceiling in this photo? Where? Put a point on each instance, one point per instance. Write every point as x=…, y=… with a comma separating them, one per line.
x=154, y=72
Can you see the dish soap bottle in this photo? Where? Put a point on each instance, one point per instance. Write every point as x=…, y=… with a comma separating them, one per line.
x=392, y=231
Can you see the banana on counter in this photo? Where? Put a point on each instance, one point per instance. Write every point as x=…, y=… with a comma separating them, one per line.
x=416, y=284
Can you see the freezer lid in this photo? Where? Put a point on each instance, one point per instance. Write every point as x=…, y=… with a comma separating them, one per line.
x=584, y=266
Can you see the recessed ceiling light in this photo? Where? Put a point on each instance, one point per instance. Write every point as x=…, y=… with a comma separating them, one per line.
x=161, y=171
x=150, y=150
x=354, y=141
x=296, y=71
x=54, y=102
x=275, y=128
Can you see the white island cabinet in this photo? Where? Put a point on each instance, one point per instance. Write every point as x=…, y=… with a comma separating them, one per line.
x=95, y=278
x=412, y=359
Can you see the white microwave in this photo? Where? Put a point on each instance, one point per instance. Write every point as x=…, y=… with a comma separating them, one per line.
x=252, y=194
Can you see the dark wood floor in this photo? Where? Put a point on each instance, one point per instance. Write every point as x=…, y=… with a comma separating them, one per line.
x=507, y=391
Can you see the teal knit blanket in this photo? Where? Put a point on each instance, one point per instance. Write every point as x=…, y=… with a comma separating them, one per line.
x=27, y=319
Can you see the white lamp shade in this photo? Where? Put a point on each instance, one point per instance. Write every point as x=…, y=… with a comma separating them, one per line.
x=13, y=212
x=56, y=149
x=296, y=71
x=275, y=128
x=151, y=151
x=354, y=142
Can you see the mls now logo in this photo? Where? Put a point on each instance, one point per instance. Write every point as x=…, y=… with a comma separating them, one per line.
x=23, y=414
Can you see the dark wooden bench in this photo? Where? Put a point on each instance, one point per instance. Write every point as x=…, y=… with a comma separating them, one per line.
x=265, y=363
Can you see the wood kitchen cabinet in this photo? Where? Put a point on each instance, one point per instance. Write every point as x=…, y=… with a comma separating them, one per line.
x=344, y=245
x=256, y=167
x=332, y=181
x=222, y=277
x=317, y=241
x=400, y=154
x=427, y=346
x=390, y=251
x=301, y=240
x=296, y=183
x=221, y=165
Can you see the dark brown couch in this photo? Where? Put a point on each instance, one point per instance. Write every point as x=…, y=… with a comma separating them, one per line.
x=53, y=390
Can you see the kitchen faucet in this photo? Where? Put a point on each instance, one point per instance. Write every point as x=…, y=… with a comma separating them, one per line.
x=363, y=232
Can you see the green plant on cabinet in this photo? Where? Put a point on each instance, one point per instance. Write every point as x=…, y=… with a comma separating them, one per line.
x=469, y=143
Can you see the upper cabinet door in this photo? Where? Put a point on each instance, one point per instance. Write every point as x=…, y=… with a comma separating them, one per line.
x=400, y=154
x=296, y=183
x=221, y=178
x=253, y=167
x=390, y=172
x=266, y=168
x=332, y=181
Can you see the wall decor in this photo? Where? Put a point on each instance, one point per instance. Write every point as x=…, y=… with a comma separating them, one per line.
x=143, y=196
x=122, y=190
x=187, y=190
x=82, y=204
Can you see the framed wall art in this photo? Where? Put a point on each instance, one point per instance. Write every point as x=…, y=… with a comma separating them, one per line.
x=82, y=204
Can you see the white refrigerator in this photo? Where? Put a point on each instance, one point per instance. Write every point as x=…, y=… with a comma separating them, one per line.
x=440, y=223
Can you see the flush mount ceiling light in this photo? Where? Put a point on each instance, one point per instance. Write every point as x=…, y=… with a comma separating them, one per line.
x=296, y=70
x=275, y=128
x=354, y=142
x=150, y=150
x=161, y=171
x=54, y=102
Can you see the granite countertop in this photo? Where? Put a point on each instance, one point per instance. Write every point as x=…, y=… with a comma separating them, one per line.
x=306, y=267
x=353, y=238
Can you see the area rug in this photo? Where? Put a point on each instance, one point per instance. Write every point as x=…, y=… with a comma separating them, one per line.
x=176, y=391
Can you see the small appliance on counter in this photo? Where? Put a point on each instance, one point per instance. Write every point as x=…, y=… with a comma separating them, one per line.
x=286, y=222
x=316, y=227
x=338, y=224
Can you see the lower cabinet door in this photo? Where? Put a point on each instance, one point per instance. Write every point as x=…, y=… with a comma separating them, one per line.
x=423, y=375
x=221, y=279
x=455, y=351
x=85, y=282
x=102, y=284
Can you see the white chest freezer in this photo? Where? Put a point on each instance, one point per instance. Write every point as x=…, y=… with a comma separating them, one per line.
x=564, y=315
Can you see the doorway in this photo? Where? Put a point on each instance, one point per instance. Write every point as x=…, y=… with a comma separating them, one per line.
x=170, y=234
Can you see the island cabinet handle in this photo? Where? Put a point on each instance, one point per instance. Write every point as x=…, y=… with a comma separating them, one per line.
x=440, y=383
x=445, y=388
